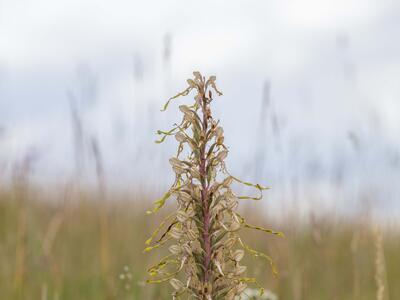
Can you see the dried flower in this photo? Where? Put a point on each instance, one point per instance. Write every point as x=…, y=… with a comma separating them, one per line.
x=204, y=230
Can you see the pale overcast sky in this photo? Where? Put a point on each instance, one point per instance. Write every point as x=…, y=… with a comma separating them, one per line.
x=333, y=69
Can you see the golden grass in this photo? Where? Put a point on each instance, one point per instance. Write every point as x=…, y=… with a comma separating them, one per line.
x=52, y=249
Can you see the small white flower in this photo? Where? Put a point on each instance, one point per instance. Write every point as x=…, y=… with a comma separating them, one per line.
x=254, y=294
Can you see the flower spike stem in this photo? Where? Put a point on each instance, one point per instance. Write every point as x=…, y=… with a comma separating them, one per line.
x=206, y=249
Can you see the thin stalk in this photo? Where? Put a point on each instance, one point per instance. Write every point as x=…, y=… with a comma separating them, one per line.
x=207, y=249
x=205, y=194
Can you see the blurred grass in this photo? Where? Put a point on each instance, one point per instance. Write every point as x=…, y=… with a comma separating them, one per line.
x=50, y=249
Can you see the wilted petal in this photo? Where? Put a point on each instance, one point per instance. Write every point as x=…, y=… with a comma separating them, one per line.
x=180, y=137
x=240, y=270
x=176, y=284
x=176, y=233
x=175, y=249
x=222, y=155
x=238, y=255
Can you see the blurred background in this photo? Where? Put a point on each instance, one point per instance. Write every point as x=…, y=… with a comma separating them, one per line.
x=310, y=107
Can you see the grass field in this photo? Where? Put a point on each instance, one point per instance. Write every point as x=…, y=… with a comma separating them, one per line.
x=77, y=245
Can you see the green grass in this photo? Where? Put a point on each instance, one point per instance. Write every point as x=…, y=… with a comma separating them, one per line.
x=315, y=262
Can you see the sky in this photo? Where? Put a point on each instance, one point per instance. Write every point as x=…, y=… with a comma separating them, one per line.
x=311, y=90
